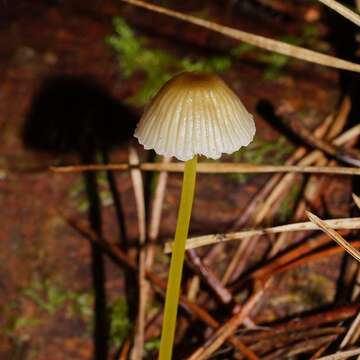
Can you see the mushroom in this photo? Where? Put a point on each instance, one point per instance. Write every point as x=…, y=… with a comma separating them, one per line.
x=192, y=114
x=195, y=114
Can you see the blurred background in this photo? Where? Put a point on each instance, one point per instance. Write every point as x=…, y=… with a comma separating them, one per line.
x=74, y=77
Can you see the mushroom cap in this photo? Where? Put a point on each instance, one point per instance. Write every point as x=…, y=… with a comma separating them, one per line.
x=195, y=114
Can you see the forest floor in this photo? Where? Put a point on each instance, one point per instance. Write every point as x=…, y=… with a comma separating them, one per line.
x=46, y=296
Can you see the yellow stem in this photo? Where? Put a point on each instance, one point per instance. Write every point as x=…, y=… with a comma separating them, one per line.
x=177, y=260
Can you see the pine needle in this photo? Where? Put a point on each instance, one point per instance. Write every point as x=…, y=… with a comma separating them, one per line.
x=341, y=355
x=342, y=10
x=211, y=168
x=324, y=226
x=356, y=200
x=347, y=223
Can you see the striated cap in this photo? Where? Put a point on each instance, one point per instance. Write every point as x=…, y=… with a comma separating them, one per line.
x=195, y=114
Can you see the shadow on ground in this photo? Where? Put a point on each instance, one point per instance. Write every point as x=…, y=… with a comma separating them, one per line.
x=76, y=115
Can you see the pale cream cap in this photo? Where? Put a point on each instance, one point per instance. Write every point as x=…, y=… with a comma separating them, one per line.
x=195, y=114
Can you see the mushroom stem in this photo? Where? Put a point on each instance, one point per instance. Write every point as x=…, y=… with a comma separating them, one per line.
x=177, y=260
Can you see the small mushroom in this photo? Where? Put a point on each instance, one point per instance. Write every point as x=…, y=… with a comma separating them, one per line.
x=195, y=114
x=192, y=114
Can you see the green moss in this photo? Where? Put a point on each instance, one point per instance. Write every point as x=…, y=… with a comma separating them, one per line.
x=203, y=14
x=155, y=176
x=306, y=289
x=17, y=322
x=120, y=322
x=81, y=304
x=46, y=296
x=310, y=32
x=241, y=49
x=277, y=62
x=79, y=197
x=51, y=298
x=135, y=55
x=48, y=299
x=287, y=205
x=152, y=345
x=157, y=65
x=262, y=152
